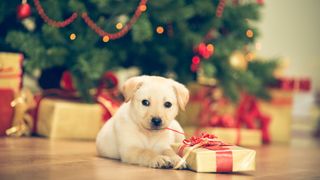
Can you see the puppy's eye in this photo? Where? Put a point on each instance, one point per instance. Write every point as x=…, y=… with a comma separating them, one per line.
x=145, y=102
x=167, y=104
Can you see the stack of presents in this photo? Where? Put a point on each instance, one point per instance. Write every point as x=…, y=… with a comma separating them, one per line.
x=53, y=113
x=213, y=125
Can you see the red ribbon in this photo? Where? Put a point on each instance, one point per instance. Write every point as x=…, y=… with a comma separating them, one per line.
x=291, y=84
x=249, y=114
x=208, y=117
x=224, y=157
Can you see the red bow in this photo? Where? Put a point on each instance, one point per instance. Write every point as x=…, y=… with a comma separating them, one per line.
x=249, y=113
x=204, y=140
x=208, y=141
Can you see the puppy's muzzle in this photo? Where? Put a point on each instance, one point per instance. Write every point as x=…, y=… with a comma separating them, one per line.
x=156, y=122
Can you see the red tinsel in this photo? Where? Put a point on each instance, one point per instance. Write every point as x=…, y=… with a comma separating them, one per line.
x=90, y=22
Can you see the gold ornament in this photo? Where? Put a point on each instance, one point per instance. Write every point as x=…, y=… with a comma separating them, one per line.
x=238, y=61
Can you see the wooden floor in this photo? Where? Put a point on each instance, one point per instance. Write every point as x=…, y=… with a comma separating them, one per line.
x=39, y=158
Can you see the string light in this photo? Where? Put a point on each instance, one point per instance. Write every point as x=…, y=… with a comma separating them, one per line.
x=143, y=7
x=92, y=25
x=105, y=38
x=210, y=47
x=249, y=33
x=125, y=29
x=160, y=29
x=58, y=24
x=73, y=36
x=119, y=25
x=249, y=56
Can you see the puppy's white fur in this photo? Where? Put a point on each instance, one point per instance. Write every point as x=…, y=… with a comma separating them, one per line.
x=129, y=134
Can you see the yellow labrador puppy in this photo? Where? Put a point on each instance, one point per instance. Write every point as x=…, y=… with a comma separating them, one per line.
x=136, y=134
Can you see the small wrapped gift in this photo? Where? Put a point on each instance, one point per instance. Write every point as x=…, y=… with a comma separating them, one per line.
x=11, y=71
x=208, y=154
x=58, y=118
x=205, y=102
x=237, y=136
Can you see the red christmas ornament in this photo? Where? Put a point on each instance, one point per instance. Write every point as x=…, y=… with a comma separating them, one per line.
x=23, y=10
x=202, y=49
x=207, y=54
x=66, y=82
x=195, y=60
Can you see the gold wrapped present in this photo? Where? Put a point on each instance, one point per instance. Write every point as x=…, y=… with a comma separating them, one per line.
x=59, y=118
x=208, y=154
x=242, y=136
x=200, y=102
x=280, y=111
x=11, y=71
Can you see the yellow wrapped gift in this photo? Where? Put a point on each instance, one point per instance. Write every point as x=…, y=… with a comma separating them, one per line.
x=11, y=71
x=208, y=154
x=59, y=118
x=280, y=111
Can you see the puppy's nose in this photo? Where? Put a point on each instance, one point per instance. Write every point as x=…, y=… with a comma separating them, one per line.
x=156, y=121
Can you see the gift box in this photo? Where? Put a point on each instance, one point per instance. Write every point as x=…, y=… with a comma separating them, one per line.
x=213, y=156
x=11, y=71
x=279, y=108
x=202, y=100
x=237, y=136
x=58, y=118
x=6, y=110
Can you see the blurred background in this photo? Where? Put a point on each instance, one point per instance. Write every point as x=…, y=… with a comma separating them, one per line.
x=290, y=29
x=251, y=65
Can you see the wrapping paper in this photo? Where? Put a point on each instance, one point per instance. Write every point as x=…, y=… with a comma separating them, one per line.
x=6, y=111
x=11, y=71
x=242, y=137
x=58, y=118
x=225, y=159
x=280, y=111
x=196, y=106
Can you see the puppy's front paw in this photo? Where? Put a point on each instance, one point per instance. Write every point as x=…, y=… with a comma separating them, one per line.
x=176, y=160
x=161, y=161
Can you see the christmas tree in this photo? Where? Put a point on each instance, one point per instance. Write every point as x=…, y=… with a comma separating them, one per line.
x=178, y=38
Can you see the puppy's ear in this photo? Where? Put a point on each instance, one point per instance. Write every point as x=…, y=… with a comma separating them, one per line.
x=182, y=94
x=131, y=86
